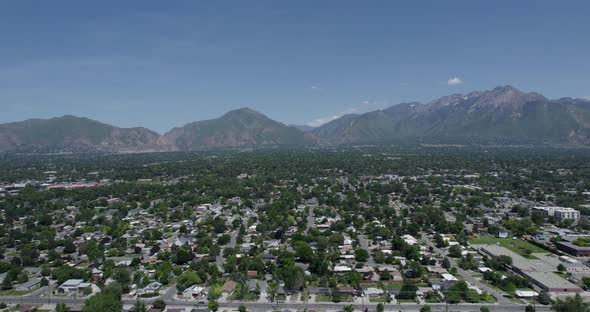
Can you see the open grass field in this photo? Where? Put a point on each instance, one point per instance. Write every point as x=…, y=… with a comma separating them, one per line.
x=518, y=246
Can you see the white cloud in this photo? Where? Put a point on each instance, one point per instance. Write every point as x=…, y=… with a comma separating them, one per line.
x=454, y=81
x=372, y=103
x=322, y=120
x=315, y=88
x=363, y=106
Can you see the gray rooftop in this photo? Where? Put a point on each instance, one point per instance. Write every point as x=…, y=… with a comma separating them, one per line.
x=537, y=270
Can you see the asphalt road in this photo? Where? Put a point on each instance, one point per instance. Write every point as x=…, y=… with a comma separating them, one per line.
x=262, y=306
x=310, y=219
x=365, y=245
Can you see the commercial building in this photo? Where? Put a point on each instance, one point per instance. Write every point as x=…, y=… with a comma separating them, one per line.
x=538, y=272
x=559, y=213
x=73, y=285
x=573, y=249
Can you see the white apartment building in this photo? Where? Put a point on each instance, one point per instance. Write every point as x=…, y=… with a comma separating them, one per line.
x=560, y=213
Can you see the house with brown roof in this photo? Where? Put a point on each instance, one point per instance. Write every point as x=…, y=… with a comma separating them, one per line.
x=228, y=287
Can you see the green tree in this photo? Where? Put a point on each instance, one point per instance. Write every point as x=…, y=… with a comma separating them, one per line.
x=361, y=255
x=469, y=262
x=484, y=309
x=440, y=242
x=213, y=305
x=123, y=277
x=223, y=240
x=139, y=307
x=242, y=308
x=425, y=308
x=182, y=256
x=303, y=251
x=271, y=290
x=62, y=307
x=408, y=291
x=108, y=300
x=453, y=297
x=66, y=272
x=380, y=307
x=93, y=251
x=348, y=308
x=22, y=277
x=544, y=297
x=159, y=304
x=571, y=304
x=446, y=263
x=504, y=260
x=187, y=279
x=529, y=308
x=455, y=251
x=293, y=276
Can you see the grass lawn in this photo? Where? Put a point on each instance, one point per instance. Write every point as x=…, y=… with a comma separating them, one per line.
x=389, y=286
x=304, y=295
x=515, y=300
x=492, y=286
x=488, y=298
x=12, y=292
x=458, y=276
x=280, y=298
x=342, y=298
x=518, y=246
x=323, y=298
x=247, y=297
x=369, y=285
x=378, y=299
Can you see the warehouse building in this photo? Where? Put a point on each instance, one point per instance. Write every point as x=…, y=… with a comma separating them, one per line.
x=573, y=249
x=538, y=272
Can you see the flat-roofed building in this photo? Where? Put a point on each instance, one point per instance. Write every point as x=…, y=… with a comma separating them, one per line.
x=73, y=285
x=448, y=280
x=559, y=213
x=573, y=249
x=537, y=271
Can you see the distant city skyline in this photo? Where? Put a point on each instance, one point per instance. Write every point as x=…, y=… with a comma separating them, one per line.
x=161, y=65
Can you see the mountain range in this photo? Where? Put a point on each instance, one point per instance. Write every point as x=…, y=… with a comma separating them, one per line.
x=503, y=115
x=237, y=128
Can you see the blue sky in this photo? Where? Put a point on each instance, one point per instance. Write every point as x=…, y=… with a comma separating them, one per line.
x=161, y=64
